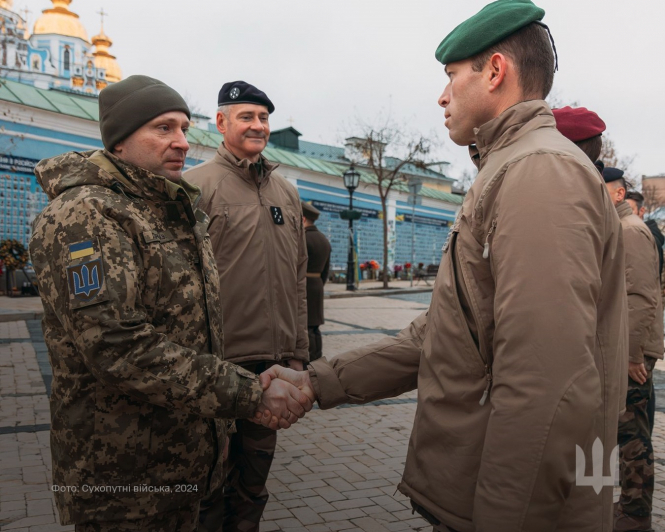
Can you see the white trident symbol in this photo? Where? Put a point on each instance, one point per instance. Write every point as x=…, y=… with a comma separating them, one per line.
x=597, y=480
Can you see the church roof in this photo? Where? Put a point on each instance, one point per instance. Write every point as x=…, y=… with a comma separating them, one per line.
x=60, y=20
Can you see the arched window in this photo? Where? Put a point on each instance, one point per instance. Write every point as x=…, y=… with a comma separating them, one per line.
x=67, y=59
x=36, y=62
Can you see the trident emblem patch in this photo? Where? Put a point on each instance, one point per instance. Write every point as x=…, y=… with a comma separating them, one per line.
x=86, y=280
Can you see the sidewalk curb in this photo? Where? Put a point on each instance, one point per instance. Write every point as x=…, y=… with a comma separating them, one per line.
x=20, y=316
x=371, y=292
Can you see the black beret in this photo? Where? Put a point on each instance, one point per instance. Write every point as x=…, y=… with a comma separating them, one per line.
x=310, y=212
x=242, y=92
x=611, y=174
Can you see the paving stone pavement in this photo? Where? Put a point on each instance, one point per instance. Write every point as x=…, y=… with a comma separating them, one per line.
x=335, y=470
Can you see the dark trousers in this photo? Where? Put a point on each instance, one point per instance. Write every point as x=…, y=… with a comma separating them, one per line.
x=636, y=459
x=238, y=505
x=315, y=343
x=180, y=520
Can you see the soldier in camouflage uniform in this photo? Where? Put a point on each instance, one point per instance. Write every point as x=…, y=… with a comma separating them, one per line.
x=645, y=322
x=141, y=394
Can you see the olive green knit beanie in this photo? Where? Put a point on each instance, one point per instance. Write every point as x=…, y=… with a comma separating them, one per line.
x=128, y=104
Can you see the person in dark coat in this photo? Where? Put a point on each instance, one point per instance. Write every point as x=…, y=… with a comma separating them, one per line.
x=318, y=264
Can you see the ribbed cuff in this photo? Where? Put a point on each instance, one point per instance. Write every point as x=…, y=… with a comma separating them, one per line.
x=327, y=386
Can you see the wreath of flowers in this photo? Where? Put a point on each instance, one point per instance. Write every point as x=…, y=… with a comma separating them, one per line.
x=13, y=254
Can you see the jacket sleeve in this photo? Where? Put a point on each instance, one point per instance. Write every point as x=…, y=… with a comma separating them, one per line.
x=546, y=389
x=114, y=336
x=643, y=287
x=302, y=338
x=387, y=368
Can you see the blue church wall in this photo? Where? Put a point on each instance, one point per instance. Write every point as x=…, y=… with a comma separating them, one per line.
x=431, y=228
x=21, y=198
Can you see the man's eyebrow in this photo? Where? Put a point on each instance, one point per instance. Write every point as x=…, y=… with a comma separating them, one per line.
x=447, y=71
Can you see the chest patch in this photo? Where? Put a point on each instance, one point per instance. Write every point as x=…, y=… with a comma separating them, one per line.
x=277, y=216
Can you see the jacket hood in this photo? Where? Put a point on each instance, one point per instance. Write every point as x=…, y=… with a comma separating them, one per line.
x=72, y=169
x=101, y=168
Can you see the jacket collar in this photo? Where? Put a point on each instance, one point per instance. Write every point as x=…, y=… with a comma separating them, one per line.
x=623, y=209
x=508, y=127
x=311, y=228
x=246, y=169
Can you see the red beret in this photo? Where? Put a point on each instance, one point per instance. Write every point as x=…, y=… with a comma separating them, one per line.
x=578, y=124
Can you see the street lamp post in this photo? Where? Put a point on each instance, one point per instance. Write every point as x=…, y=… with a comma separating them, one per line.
x=351, y=181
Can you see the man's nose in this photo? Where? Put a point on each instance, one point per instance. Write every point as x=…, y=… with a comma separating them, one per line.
x=180, y=142
x=444, y=99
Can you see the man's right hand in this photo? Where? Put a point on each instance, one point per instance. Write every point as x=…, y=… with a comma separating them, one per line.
x=282, y=404
x=637, y=372
x=281, y=376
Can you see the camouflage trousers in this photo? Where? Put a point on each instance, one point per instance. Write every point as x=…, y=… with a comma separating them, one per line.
x=180, y=520
x=238, y=505
x=636, y=458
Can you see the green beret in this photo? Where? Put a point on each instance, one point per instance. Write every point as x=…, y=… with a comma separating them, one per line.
x=492, y=24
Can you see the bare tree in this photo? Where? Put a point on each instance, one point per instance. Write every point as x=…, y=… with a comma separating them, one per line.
x=389, y=153
x=465, y=181
x=610, y=157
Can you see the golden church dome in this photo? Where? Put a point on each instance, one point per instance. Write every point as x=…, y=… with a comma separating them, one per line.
x=103, y=59
x=7, y=4
x=61, y=21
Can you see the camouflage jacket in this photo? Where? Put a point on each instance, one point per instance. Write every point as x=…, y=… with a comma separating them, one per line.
x=133, y=326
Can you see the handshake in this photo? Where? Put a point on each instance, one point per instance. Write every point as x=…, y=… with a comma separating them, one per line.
x=287, y=396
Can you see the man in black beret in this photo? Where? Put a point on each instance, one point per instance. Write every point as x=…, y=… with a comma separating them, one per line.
x=318, y=264
x=645, y=332
x=257, y=235
x=520, y=359
x=142, y=396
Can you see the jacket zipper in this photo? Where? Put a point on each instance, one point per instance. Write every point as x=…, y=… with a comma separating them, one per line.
x=486, y=251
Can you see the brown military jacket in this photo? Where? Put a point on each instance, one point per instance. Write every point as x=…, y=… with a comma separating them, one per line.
x=536, y=258
x=132, y=323
x=645, y=305
x=318, y=264
x=257, y=235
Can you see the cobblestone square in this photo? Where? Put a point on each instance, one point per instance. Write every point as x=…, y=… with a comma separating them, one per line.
x=334, y=470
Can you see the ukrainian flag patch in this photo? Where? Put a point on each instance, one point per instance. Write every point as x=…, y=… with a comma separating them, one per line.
x=82, y=249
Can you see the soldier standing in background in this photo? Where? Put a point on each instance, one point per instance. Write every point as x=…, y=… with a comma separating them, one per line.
x=257, y=235
x=645, y=319
x=318, y=264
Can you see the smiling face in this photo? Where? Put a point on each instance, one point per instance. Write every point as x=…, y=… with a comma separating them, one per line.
x=160, y=146
x=464, y=102
x=246, y=130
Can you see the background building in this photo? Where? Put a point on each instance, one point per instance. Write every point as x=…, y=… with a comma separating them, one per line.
x=58, y=53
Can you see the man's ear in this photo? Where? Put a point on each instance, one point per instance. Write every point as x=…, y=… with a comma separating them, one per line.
x=117, y=149
x=496, y=67
x=221, y=123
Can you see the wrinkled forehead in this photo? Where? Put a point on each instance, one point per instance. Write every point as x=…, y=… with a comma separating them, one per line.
x=248, y=108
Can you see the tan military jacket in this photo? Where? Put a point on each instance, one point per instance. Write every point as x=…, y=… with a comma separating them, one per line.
x=645, y=305
x=540, y=261
x=259, y=243
x=134, y=333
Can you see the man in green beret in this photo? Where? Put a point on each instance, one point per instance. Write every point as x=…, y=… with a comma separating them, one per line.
x=141, y=395
x=520, y=360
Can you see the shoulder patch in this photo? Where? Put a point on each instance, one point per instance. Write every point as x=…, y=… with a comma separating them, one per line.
x=85, y=274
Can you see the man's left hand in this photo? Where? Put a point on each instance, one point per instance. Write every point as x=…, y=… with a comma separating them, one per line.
x=637, y=372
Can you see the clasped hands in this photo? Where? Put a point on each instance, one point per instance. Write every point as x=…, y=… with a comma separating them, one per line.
x=287, y=396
